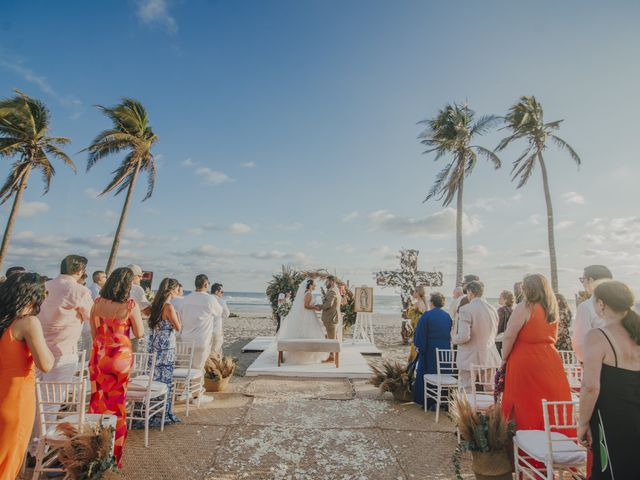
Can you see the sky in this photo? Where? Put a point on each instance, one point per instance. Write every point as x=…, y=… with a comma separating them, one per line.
x=288, y=134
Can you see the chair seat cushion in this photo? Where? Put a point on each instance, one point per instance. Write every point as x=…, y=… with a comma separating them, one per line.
x=308, y=345
x=565, y=450
x=138, y=388
x=434, y=379
x=183, y=372
x=482, y=401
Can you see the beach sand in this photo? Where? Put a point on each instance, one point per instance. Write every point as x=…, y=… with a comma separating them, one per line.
x=275, y=428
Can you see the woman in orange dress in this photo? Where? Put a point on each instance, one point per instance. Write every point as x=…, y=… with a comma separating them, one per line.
x=534, y=369
x=21, y=345
x=111, y=359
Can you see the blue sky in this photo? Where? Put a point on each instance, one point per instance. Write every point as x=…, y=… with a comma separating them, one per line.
x=288, y=133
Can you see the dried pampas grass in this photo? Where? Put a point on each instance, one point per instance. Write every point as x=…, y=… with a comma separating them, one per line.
x=217, y=368
x=392, y=377
x=87, y=452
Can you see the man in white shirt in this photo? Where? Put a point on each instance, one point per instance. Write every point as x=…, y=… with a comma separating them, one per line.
x=138, y=294
x=586, y=316
x=197, y=312
x=217, y=290
x=99, y=279
x=476, y=337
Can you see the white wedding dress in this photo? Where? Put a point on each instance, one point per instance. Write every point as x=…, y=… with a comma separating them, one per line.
x=301, y=323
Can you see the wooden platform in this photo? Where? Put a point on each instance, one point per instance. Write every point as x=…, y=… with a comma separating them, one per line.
x=352, y=363
x=260, y=344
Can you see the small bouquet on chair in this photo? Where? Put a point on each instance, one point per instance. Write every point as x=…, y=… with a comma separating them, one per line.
x=499, y=382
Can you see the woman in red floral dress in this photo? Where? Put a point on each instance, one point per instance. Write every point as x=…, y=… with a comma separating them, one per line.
x=111, y=359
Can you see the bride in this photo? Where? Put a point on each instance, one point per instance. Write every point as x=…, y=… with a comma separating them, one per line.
x=302, y=322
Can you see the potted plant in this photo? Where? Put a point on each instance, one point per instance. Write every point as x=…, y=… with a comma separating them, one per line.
x=395, y=378
x=87, y=453
x=487, y=435
x=217, y=373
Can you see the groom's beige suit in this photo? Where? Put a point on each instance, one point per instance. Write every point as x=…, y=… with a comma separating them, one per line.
x=331, y=312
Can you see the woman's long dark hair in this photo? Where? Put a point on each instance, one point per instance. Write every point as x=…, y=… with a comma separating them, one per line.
x=117, y=288
x=619, y=298
x=17, y=292
x=165, y=288
x=537, y=289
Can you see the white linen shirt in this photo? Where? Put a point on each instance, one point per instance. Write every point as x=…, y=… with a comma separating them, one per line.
x=137, y=293
x=197, y=312
x=586, y=319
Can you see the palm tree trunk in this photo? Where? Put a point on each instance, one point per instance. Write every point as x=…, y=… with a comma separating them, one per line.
x=8, y=231
x=123, y=217
x=459, y=250
x=550, y=225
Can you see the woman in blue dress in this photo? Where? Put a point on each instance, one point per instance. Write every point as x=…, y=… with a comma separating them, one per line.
x=164, y=323
x=433, y=331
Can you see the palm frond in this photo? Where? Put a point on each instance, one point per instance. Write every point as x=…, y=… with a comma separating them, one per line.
x=525, y=170
x=565, y=146
x=484, y=124
x=489, y=155
x=150, y=167
x=56, y=152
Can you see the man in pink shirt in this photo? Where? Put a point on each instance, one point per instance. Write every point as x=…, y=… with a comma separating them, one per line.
x=66, y=306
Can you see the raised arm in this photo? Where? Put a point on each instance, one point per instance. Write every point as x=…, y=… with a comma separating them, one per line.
x=30, y=331
x=173, y=317
x=516, y=321
x=329, y=301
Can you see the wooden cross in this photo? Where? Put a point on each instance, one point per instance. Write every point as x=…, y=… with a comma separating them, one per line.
x=408, y=278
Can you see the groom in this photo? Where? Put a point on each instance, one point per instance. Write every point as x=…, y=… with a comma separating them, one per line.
x=331, y=311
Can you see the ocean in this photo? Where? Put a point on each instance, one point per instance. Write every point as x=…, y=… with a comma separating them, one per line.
x=256, y=302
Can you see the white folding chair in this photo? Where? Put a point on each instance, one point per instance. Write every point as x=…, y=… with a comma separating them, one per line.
x=556, y=447
x=437, y=387
x=56, y=402
x=574, y=375
x=145, y=397
x=568, y=357
x=187, y=381
x=482, y=387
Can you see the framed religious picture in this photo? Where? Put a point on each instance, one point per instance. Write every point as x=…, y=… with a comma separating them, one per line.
x=147, y=280
x=363, y=299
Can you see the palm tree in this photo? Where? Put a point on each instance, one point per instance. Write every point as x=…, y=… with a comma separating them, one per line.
x=24, y=133
x=525, y=119
x=130, y=132
x=452, y=132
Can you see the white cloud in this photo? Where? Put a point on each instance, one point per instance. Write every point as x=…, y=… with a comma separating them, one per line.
x=515, y=266
x=534, y=253
x=92, y=193
x=156, y=12
x=31, y=209
x=346, y=248
x=239, y=228
x=487, y=204
x=385, y=252
x=574, y=197
x=187, y=162
x=271, y=255
x=479, y=250
x=435, y=225
x=248, y=165
x=535, y=219
x=213, y=177
x=290, y=226
x=350, y=216
x=564, y=224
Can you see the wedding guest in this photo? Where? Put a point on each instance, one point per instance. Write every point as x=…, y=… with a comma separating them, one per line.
x=163, y=323
x=65, y=307
x=114, y=314
x=504, y=312
x=433, y=331
x=139, y=295
x=99, y=278
x=197, y=312
x=476, y=338
x=415, y=312
x=564, y=326
x=217, y=291
x=517, y=292
x=464, y=300
x=22, y=345
x=586, y=316
x=610, y=396
x=534, y=369
x=179, y=297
